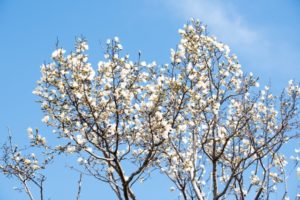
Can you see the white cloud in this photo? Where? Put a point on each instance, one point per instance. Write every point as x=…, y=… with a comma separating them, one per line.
x=223, y=19
x=269, y=57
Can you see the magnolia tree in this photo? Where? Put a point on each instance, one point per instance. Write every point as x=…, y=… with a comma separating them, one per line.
x=200, y=120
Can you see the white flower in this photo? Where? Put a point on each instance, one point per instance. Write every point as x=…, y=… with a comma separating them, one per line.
x=58, y=53
x=80, y=160
x=172, y=189
x=27, y=162
x=120, y=46
x=165, y=134
x=92, y=75
x=35, y=167
x=110, y=170
x=255, y=180
x=275, y=177
x=116, y=39
x=181, y=31
x=143, y=64
x=106, y=56
x=80, y=139
x=46, y=119
x=30, y=132
x=78, y=95
x=84, y=46
x=71, y=149
x=43, y=140
x=17, y=158
x=89, y=149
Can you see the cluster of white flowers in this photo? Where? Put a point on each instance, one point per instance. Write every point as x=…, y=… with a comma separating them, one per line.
x=199, y=110
x=36, y=139
x=24, y=167
x=297, y=156
x=255, y=179
x=116, y=112
x=220, y=117
x=26, y=162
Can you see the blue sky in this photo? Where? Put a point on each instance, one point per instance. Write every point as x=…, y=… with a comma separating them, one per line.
x=263, y=34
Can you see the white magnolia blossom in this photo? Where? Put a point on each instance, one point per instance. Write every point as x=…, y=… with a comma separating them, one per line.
x=30, y=132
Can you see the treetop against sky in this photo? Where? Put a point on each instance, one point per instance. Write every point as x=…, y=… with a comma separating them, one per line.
x=207, y=127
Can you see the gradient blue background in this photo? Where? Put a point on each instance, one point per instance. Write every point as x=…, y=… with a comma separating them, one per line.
x=263, y=34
